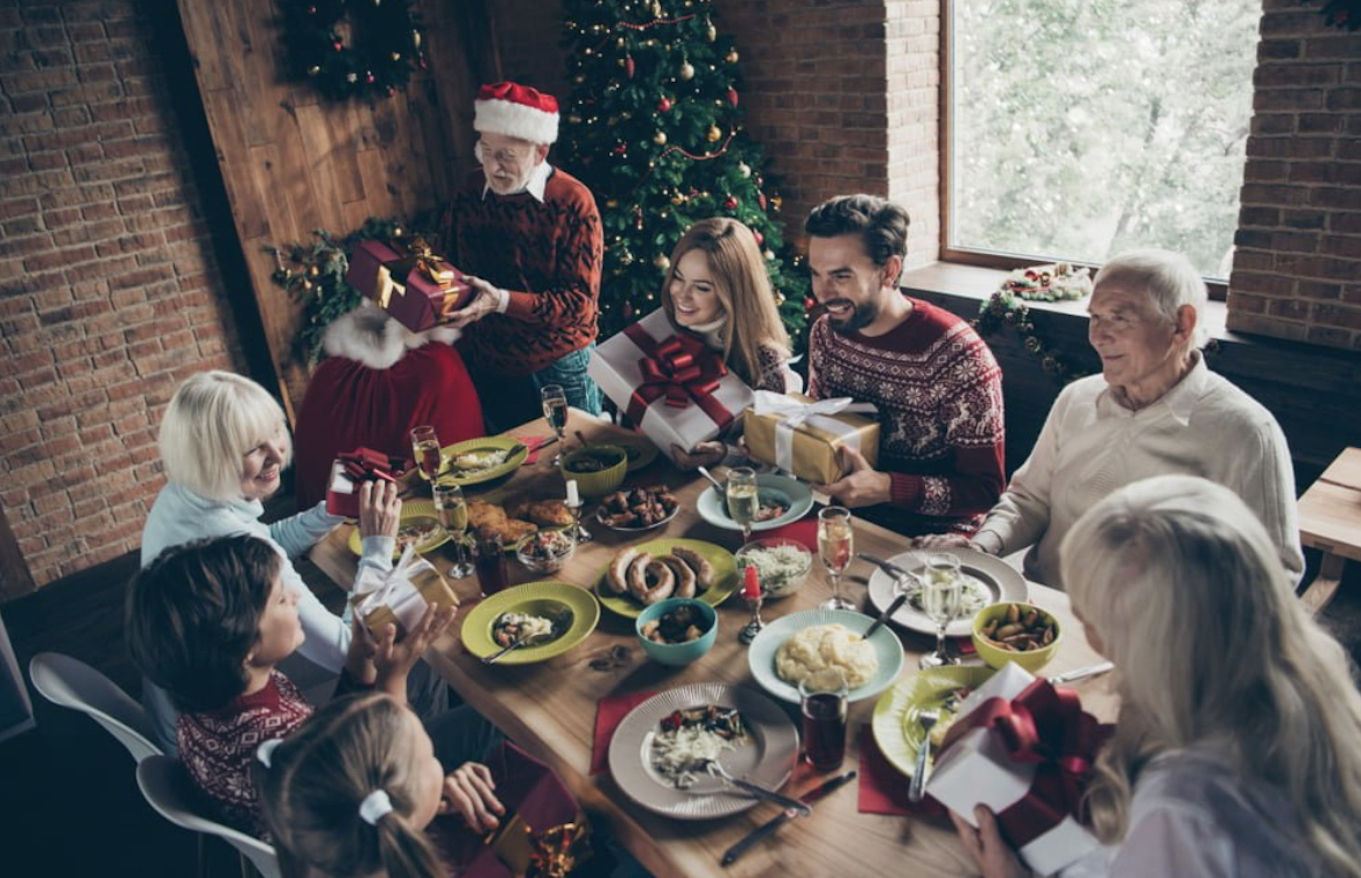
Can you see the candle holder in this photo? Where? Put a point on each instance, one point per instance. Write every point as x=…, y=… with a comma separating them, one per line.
x=754, y=625
x=579, y=533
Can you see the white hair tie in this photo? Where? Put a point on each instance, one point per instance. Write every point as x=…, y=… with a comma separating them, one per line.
x=375, y=807
x=265, y=752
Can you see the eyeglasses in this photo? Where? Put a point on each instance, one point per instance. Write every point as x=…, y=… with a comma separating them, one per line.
x=505, y=155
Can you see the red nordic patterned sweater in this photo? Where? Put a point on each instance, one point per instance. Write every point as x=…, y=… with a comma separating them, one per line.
x=547, y=254
x=939, y=393
x=217, y=747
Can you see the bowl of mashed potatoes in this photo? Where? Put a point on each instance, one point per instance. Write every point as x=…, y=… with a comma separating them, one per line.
x=801, y=644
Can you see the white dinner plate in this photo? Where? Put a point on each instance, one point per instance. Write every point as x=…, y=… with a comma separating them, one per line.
x=1000, y=580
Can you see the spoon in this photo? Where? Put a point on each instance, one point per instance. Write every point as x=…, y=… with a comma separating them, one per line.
x=560, y=624
x=718, y=486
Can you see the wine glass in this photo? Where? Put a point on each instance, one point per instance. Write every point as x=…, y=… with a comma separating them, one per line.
x=942, y=602
x=453, y=517
x=425, y=448
x=836, y=547
x=743, y=498
x=554, y=400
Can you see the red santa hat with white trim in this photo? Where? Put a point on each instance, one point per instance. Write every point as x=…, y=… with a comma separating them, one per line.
x=516, y=111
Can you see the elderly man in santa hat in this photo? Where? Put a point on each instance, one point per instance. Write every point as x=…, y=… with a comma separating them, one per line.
x=529, y=237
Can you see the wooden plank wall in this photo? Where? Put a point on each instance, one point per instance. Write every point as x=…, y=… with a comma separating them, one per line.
x=293, y=162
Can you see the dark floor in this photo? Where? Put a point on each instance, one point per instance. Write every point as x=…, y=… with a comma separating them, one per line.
x=69, y=803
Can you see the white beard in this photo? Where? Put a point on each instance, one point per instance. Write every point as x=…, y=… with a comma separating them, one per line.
x=370, y=337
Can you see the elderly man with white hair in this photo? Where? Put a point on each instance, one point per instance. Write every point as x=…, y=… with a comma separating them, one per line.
x=1155, y=409
x=529, y=237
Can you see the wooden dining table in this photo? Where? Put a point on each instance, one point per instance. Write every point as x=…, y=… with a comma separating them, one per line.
x=549, y=708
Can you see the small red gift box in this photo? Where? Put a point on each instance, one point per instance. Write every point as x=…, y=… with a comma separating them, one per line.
x=417, y=287
x=351, y=469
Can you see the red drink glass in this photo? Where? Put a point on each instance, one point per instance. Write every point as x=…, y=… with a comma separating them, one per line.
x=489, y=560
x=823, y=699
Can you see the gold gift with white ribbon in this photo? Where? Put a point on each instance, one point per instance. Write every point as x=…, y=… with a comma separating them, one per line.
x=805, y=437
x=400, y=595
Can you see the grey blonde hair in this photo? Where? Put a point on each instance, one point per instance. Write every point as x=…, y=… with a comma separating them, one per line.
x=1187, y=593
x=743, y=289
x=1169, y=279
x=214, y=419
x=316, y=779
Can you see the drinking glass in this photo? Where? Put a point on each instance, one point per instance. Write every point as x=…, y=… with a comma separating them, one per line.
x=823, y=701
x=743, y=498
x=425, y=448
x=453, y=517
x=554, y=400
x=942, y=602
x=489, y=558
x=836, y=547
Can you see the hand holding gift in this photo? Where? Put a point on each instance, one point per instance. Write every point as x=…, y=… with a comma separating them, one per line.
x=402, y=595
x=349, y=472
x=807, y=437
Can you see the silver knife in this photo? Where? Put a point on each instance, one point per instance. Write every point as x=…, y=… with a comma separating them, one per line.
x=887, y=566
x=1082, y=673
x=885, y=615
x=768, y=828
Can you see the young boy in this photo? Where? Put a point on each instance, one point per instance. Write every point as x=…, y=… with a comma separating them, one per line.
x=208, y=621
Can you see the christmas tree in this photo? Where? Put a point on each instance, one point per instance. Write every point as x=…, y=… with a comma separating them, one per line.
x=653, y=127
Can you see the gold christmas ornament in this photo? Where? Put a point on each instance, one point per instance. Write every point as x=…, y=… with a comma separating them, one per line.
x=395, y=56
x=416, y=38
x=768, y=255
x=687, y=71
x=313, y=70
x=659, y=138
x=732, y=57
x=612, y=203
x=574, y=119
x=663, y=262
x=677, y=199
x=578, y=79
x=626, y=258
x=713, y=134
x=710, y=32
x=744, y=169
x=776, y=201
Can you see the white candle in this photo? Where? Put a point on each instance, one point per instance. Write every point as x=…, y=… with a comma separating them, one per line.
x=573, y=499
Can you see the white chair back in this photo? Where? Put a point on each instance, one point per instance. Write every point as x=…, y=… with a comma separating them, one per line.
x=74, y=684
x=168, y=789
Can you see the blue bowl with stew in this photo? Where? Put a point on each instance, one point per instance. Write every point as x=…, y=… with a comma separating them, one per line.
x=677, y=631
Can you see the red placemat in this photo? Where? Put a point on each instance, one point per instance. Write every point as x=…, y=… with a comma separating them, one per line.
x=883, y=788
x=608, y=714
x=805, y=531
x=533, y=443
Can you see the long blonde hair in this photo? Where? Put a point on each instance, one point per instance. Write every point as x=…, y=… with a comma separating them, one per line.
x=743, y=289
x=1187, y=593
x=317, y=777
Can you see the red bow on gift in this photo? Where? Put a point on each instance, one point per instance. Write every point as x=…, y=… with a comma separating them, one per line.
x=365, y=465
x=1047, y=726
x=683, y=370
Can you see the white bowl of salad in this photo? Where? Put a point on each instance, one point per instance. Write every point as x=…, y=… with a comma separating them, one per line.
x=781, y=564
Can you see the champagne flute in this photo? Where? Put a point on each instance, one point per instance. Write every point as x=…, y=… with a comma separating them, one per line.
x=453, y=517
x=554, y=400
x=425, y=448
x=836, y=547
x=942, y=602
x=743, y=498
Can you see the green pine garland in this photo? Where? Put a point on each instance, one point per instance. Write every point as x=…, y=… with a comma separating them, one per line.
x=359, y=48
x=1340, y=13
x=314, y=273
x=1004, y=309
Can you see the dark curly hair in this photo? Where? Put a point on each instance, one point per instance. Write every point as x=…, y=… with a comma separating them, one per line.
x=881, y=224
x=193, y=615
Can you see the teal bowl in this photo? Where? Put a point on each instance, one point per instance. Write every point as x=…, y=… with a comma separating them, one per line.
x=677, y=654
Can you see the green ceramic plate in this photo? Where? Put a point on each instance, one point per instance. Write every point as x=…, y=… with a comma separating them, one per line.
x=454, y=476
x=535, y=598
x=791, y=493
x=420, y=513
x=895, y=726
x=725, y=575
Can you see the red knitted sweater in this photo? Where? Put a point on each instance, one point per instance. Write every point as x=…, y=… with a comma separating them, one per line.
x=217, y=747
x=547, y=254
x=939, y=393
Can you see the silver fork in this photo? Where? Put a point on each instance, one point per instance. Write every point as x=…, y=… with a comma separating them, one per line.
x=718, y=771
x=927, y=719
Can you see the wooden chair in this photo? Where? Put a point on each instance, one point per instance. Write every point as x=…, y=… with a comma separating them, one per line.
x=168, y=789
x=70, y=683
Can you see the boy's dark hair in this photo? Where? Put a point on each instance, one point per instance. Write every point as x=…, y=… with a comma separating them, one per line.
x=881, y=224
x=193, y=615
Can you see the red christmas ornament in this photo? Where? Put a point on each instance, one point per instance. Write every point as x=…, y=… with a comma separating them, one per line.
x=311, y=10
x=732, y=95
x=424, y=65
x=808, y=303
x=665, y=104
x=337, y=45
x=760, y=238
x=762, y=199
x=628, y=311
x=620, y=149
x=628, y=66
x=369, y=78
x=731, y=202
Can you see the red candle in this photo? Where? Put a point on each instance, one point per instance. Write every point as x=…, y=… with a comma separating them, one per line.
x=751, y=586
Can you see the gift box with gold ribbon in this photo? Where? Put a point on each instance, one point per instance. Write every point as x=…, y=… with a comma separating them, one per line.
x=401, y=594
x=409, y=281
x=1024, y=748
x=805, y=438
x=677, y=390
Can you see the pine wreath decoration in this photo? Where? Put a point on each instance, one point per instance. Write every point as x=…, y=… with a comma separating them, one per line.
x=1004, y=309
x=1344, y=14
x=353, y=48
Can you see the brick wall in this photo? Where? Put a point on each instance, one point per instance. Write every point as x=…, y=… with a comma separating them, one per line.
x=109, y=290
x=1297, y=269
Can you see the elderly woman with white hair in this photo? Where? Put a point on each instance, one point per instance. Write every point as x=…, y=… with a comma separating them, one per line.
x=224, y=444
x=1235, y=752
x=1155, y=409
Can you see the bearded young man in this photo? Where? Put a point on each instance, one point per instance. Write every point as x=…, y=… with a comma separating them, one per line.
x=528, y=235
x=936, y=384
